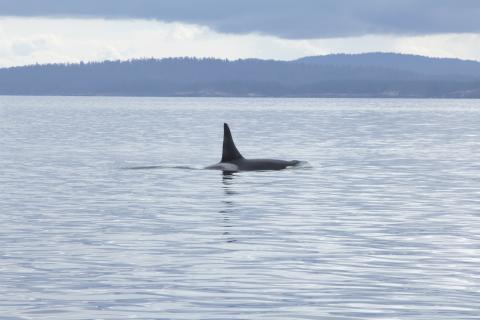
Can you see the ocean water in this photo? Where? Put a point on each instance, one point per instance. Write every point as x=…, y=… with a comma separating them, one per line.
x=383, y=222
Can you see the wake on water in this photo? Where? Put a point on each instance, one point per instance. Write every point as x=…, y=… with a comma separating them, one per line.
x=300, y=165
x=163, y=167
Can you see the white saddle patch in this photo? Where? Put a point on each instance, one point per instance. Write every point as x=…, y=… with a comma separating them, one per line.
x=225, y=166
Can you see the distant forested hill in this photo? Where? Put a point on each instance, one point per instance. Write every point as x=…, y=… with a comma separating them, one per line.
x=366, y=75
x=406, y=62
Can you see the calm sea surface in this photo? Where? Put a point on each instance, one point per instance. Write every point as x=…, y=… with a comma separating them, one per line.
x=384, y=222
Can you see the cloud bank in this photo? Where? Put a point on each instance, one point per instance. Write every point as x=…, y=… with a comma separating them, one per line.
x=292, y=19
x=44, y=40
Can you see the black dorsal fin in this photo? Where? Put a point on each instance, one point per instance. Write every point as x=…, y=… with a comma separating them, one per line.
x=230, y=152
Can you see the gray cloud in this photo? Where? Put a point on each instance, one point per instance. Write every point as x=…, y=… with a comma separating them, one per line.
x=283, y=18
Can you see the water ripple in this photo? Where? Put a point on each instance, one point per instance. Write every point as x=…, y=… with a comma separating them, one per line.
x=383, y=224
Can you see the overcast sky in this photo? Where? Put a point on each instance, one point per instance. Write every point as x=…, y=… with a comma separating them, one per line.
x=61, y=30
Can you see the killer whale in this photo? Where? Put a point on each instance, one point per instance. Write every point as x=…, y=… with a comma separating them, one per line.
x=233, y=161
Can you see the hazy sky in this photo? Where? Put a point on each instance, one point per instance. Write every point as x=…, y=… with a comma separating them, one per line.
x=61, y=30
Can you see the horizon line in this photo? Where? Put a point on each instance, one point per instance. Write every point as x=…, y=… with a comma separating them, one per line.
x=230, y=60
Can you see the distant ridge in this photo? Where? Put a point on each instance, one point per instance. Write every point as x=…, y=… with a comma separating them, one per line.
x=340, y=75
x=406, y=62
